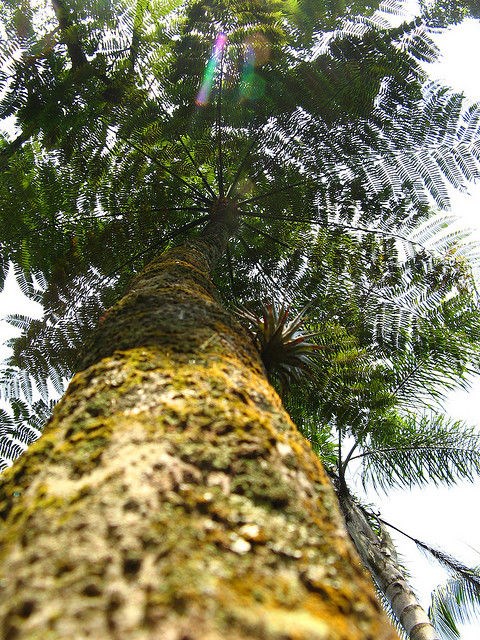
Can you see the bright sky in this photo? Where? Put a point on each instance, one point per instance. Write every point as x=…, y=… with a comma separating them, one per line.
x=448, y=518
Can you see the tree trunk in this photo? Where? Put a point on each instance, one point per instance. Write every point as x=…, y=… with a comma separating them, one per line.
x=69, y=34
x=379, y=556
x=171, y=497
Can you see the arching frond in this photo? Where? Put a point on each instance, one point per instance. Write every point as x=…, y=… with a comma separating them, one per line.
x=19, y=429
x=455, y=602
x=408, y=451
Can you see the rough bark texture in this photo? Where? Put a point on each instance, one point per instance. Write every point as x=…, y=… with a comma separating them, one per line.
x=171, y=497
x=380, y=557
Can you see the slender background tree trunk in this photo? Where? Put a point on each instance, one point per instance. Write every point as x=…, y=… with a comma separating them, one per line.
x=171, y=497
x=381, y=559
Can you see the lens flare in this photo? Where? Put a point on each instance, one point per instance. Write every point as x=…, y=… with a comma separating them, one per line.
x=248, y=73
x=208, y=76
x=252, y=86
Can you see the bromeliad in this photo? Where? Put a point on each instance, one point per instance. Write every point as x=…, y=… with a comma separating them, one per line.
x=286, y=351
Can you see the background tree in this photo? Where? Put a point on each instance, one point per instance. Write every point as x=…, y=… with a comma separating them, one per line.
x=312, y=107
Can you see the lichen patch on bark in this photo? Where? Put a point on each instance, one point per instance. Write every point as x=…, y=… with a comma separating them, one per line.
x=171, y=496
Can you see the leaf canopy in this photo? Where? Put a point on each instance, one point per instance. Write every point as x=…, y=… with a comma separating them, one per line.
x=133, y=120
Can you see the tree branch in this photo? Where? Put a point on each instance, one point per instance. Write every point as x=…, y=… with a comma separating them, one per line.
x=69, y=35
x=135, y=43
x=11, y=148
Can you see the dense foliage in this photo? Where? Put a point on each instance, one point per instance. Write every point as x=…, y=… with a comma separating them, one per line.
x=313, y=124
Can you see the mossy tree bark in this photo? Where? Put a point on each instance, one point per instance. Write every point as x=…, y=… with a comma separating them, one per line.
x=171, y=497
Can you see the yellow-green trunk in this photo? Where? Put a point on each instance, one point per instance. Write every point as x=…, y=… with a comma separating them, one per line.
x=171, y=497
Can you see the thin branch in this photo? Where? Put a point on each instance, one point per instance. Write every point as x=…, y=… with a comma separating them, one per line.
x=167, y=209
x=115, y=216
x=388, y=234
x=302, y=251
x=180, y=137
x=273, y=192
x=140, y=254
x=197, y=168
x=323, y=225
x=267, y=235
x=270, y=282
x=219, y=131
x=407, y=377
x=395, y=528
x=230, y=269
x=365, y=297
x=369, y=452
x=108, y=276
x=135, y=43
x=440, y=556
x=166, y=169
x=340, y=466
x=348, y=458
x=271, y=216
x=238, y=173
x=170, y=236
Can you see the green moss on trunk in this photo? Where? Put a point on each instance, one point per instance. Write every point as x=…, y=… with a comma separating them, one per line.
x=171, y=496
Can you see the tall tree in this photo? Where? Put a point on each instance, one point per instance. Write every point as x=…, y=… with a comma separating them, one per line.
x=170, y=494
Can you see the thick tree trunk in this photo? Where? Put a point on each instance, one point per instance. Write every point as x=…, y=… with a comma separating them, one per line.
x=379, y=556
x=171, y=497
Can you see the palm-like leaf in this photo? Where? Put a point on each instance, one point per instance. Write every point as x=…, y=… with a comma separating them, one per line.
x=19, y=430
x=318, y=134
x=408, y=451
x=455, y=602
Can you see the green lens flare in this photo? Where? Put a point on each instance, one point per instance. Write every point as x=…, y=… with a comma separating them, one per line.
x=252, y=86
x=208, y=76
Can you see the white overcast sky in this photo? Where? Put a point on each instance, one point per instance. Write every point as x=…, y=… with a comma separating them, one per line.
x=448, y=518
